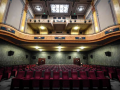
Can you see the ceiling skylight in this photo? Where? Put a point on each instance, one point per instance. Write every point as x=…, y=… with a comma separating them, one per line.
x=59, y=8
x=80, y=8
x=38, y=8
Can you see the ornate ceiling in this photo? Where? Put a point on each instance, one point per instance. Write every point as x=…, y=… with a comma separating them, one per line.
x=74, y=7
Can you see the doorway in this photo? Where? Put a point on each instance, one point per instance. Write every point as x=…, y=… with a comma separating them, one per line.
x=76, y=61
x=41, y=61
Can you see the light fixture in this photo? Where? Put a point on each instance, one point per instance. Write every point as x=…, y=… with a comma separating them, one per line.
x=76, y=27
x=40, y=50
x=38, y=8
x=42, y=27
x=59, y=8
x=37, y=47
x=80, y=8
x=78, y=50
x=82, y=47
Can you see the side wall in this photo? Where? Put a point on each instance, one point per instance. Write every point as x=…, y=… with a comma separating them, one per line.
x=18, y=58
x=99, y=57
x=59, y=57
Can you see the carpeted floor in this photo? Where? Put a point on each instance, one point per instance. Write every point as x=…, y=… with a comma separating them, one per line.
x=5, y=85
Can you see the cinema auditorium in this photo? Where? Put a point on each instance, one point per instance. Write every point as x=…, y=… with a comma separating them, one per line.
x=59, y=44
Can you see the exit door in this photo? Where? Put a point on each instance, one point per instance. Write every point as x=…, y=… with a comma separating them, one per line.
x=76, y=61
x=41, y=61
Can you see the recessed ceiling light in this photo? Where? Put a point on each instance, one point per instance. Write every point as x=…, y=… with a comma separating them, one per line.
x=37, y=47
x=82, y=47
x=78, y=50
x=76, y=27
x=40, y=50
x=38, y=8
x=42, y=27
x=80, y=8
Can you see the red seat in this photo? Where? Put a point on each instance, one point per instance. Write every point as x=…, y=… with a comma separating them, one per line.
x=104, y=81
x=95, y=80
x=85, y=80
x=118, y=74
x=65, y=80
x=7, y=72
x=16, y=81
x=112, y=73
x=46, y=79
x=14, y=71
x=35, y=80
x=56, y=77
x=75, y=79
x=26, y=79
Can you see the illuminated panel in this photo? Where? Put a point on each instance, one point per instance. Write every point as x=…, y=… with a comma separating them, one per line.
x=59, y=8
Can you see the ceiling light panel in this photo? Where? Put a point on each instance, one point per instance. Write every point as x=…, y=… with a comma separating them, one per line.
x=80, y=8
x=38, y=8
x=59, y=8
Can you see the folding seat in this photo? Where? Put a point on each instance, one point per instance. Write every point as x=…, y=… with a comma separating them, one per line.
x=75, y=80
x=14, y=71
x=16, y=82
x=65, y=80
x=118, y=74
x=112, y=73
x=105, y=82
x=46, y=80
x=26, y=79
x=105, y=70
x=36, y=78
x=7, y=72
x=85, y=80
x=95, y=80
x=1, y=74
x=55, y=80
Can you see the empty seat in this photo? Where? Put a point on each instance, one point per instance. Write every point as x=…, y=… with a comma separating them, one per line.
x=85, y=80
x=95, y=80
x=16, y=81
x=118, y=74
x=35, y=80
x=112, y=73
x=26, y=79
x=105, y=82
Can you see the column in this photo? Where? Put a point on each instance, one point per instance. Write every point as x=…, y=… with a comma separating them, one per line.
x=3, y=5
x=24, y=17
x=116, y=5
x=95, y=17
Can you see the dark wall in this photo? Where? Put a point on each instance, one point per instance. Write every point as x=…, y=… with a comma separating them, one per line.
x=99, y=57
x=59, y=57
x=18, y=58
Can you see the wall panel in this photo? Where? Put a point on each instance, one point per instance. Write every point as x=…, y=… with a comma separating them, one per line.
x=14, y=13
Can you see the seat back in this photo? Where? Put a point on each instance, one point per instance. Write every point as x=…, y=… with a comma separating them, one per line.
x=118, y=71
x=20, y=74
x=38, y=74
x=83, y=74
x=47, y=75
x=74, y=75
x=100, y=74
x=92, y=74
x=65, y=75
x=29, y=74
x=56, y=75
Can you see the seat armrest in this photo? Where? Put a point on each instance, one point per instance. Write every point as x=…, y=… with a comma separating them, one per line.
x=51, y=78
x=70, y=78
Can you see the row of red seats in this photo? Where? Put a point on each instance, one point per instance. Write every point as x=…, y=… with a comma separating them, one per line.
x=6, y=72
x=112, y=72
x=46, y=81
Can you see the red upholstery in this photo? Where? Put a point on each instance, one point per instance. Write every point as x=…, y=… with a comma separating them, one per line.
x=16, y=81
x=35, y=80
x=26, y=79
x=104, y=81
x=112, y=73
x=85, y=80
x=75, y=79
x=56, y=83
x=95, y=80
x=7, y=72
x=46, y=80
x=14, y=71
x=65, y=79
x=1, y=77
